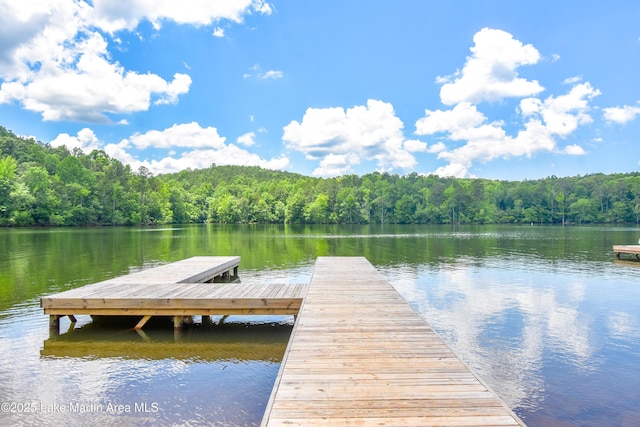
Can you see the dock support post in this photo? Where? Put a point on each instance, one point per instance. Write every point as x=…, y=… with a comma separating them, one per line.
x=177, y=322
x=177, y=327
x=235, y=271
x=54, y=324
x=142, y=322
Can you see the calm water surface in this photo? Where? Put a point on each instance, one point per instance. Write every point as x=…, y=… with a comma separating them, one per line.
x=545, y=315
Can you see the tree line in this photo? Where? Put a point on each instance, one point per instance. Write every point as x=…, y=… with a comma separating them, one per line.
x=43, y=185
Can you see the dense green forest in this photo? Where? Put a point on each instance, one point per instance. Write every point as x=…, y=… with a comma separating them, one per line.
x=41, y=185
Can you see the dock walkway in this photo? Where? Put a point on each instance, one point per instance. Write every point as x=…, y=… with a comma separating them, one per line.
x=360, y=355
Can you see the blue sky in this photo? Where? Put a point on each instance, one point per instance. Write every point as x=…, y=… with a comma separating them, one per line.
x=489, y=89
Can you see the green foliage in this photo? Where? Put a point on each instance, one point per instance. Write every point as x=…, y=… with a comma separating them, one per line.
x=41, y=185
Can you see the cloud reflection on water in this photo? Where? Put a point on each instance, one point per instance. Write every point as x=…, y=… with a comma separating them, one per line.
x=505, y=324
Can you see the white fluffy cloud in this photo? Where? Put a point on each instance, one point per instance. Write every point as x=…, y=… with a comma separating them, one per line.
x=204, y=146
x=190, y=135
x=415, y=146
x=202, y=158
x=621, y=115
x=115, y=16
x=340, y=138
x=490, y=73
x=574, y=150
x=54, y=57
x=247, y=139
x=484, y=141
x=85, y=140
x=563, y=114
x=256, y=72
x=461, y=117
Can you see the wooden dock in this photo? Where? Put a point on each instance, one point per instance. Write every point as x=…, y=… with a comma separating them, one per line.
x=176, y=290
x=627, y=249
x=360, y=355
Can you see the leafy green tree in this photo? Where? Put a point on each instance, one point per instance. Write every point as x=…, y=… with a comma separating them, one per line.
x=405, y=209
x=22, y=201
x=348, y=210
x=383, y=197
x=317, y=212
x=294, y=210
x=228, y=209
x=142, y=177
x=8, y=168
x=40, y=186
x=583, y=210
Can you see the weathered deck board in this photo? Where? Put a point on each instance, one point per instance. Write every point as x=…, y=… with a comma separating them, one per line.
x=360, y=355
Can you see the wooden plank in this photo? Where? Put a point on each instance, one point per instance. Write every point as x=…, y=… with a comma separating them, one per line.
x=397, y=421
x=632, y=249
x=292, y=310
x=172, y=303
x=360, y=355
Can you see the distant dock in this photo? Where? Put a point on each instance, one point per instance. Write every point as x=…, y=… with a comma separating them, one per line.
x=627, y=249
x=358, y=354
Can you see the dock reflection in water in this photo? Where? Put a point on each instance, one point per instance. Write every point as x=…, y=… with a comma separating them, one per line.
x=203, y=342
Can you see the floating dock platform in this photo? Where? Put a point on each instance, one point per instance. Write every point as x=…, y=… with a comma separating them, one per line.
x=627, y=249
x=177, y=290
x=358, y=353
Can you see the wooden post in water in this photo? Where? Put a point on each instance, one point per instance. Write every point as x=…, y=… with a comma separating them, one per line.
x=54, y=324
x=177, y=322
x=206, y=320
x=177, y=327
x=142, y=322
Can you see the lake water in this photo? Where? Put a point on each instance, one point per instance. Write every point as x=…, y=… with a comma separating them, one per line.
x=545, y=315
